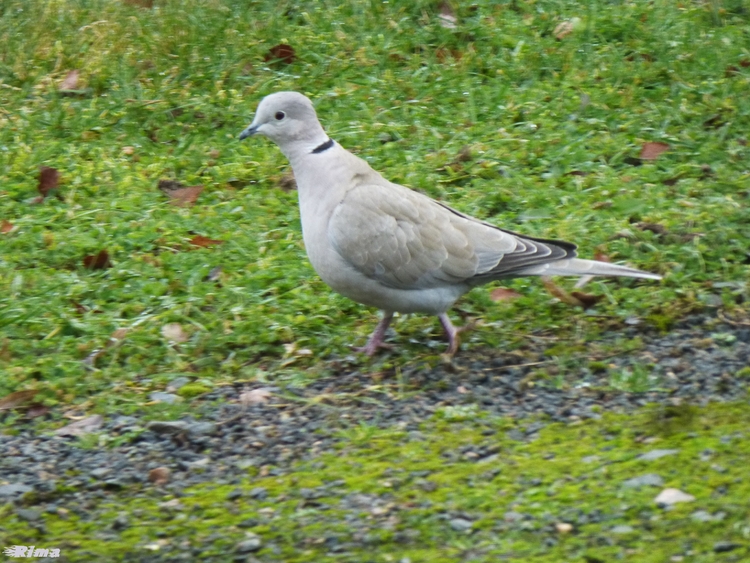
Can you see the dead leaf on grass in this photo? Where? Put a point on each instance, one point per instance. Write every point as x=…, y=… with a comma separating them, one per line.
x=652, y=149
x=36, y=410
x=199, y=241
x=49, y=180
x=6, y=226
x=16, y=399
x=281, y=54
x=563, y=29
x=98, y=261
x=174, y=332
x=70, y=82
x=560, y=293
x=178, y=194
x=504, y=294
x=447, y=16
x=81, y=427
x=287, y=182
x=655, y=228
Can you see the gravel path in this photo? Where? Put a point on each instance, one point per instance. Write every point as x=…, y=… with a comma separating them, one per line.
x=696, y=362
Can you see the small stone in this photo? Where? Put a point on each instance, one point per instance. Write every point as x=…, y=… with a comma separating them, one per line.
x=512, y=516
x=259, y=493
x=248, y=523
x=159, y=475
x=590, y=459
x=705, y=516
x=724, y=546
x=235, y=494
x=249, y=545
x=201, y=428
x=668, y=497
x=161, y=397
x=647, y=480
x=622, y=529
x=14, y=489
x=656, y=454
x=167, y=426
x=28, y=514
x=564, y=527
x=460, y=524
x=121, y=522
x=99, y=472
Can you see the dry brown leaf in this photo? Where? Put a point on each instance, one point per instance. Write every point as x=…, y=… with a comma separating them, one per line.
x=655, y=228
x=81, y=427
x=174, y=332
x=159, y=475
x=281, y=54
x=6, y=226
x=652, y=149
x=560, y=293
x=587, y=299
x=36, y=410
x=255, y=397
x=99, y=261
x=504, y=294
x=5, y=354
x=70, y=82
x=16, y=399
x=185, y=197
x=562, y=30
x=49, y=179
x=199, y=241
x=128, y=150
x=140, y=3
x=447, y=16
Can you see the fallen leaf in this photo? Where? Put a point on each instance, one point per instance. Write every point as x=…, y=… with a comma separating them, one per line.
x=200, y=241
x=442, y=54
x=602, y=204
x=281, y=54
x=70, y=82
x=159, y=475
x=655, y=228
x=6, y=226
x=447, y=17
x=5, y=354
x=174, y=332
x=16, y=399
x=99, y=261
x=178, y=194
x=563, y=29
x=128, y=150
x=255, y=397
x=503, y=294
x=652, y=149
x=140, y=3
x=587, y=299
x=560, y=293
x=49, y=179
x=36, y=410
x=81, y=427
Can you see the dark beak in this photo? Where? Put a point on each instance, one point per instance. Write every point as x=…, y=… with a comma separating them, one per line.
x=248, y=132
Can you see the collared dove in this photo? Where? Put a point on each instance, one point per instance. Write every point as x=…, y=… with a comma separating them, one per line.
x=386, y=246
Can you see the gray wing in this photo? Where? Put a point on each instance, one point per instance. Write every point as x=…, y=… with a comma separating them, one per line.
x=406, y=240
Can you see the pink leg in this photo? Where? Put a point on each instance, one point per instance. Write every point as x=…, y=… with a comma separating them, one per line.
x=376, y=338
x=451, y=332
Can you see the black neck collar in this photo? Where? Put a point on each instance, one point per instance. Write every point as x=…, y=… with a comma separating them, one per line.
x=324, y=147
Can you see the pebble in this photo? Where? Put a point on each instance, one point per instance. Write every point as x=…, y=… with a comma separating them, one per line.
x=249, y=545
x=724, y=546
x=622, y=529
x=646, y=480
x=656, y=454
x=460, y=524
x=669, y=497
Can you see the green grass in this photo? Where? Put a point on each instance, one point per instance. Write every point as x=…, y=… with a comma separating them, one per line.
x=179, y=81
x=569, y=474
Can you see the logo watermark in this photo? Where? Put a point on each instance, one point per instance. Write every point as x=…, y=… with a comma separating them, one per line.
x=30, y=551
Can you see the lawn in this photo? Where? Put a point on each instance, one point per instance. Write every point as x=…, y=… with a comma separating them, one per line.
x=620, y=126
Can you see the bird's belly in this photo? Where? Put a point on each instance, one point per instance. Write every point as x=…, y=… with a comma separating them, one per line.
x=349, y=282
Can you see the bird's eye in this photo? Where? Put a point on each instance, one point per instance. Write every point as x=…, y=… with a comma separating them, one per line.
x=280, y=115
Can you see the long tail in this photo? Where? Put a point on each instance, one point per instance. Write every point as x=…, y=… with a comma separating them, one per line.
x=581, y=267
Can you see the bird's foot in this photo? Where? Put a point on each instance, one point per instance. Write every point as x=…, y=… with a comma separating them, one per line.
x=453, y=332
x=376, y=339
